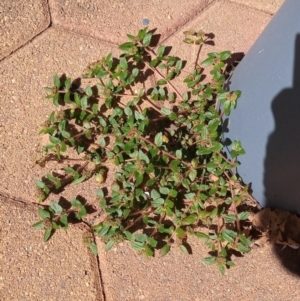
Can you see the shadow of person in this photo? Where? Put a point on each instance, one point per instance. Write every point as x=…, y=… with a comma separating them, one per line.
x=282, y=161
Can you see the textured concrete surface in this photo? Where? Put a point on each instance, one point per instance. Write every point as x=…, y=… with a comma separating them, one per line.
x=40, y=38
x=21, y=21
x=257, y=276
x=112, y=20
x=24, y=75
x=264, y=5
x=62, y=269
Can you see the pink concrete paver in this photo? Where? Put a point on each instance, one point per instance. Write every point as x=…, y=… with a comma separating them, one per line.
x=222, y=19
x=31, y=270
x=24, y=108
x=269, y=6
x=63, y=269
x=258, y=276
x=112, y=20
x=21, y=21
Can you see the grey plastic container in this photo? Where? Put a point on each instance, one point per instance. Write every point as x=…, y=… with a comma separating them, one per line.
x=267, y=118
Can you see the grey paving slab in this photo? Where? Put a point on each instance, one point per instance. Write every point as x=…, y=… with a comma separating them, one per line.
x=31, y=270
x=270, y=6
x=23, y=107
x=112, y=20
x=20, y=21
x=128, y=276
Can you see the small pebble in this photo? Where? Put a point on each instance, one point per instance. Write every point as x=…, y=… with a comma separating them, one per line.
x=145, y=22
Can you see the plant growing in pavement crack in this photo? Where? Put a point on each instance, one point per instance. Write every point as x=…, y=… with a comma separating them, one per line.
x=173, y=178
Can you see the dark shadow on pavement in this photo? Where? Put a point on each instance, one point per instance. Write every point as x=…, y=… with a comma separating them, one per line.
x=282, y=161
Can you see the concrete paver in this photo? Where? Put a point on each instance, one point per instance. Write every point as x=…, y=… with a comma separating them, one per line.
x=63, y=269
x=21, y=21
x=259, y=275
x=24, y=108
x=112, y=20
x=265, y=5
x=31, y=270
x=230, y=37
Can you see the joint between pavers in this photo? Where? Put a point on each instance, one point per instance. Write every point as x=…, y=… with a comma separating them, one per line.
x=189, y=19
x=47, y=26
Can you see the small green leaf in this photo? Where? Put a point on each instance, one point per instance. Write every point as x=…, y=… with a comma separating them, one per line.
x=164, y=190
x=138, y=116
x=40, y=184
x=193, y=175
x=207, y=62
x=158, y=140
x=161, y=82
x=184, y=249
x=68, y=83
x=222, y=269
x=213, y=213
x=157, y=202
x=242, y=248
x=79, y=180
x=148, y=251
x=102, y=142
x=190, y=195
x=81, y=213
x=88, y=91
x=103, y=230
x=225, y=55
x=178, y=153
x=142, y=156
x=161, y=50
x=166, y=111
x=54, y=140
x=243, y=215
x=138, y=245
x=172, y=98
x=93, y=248
x=56, y=81
x=180, y=233
x=109, y=245
x=123, y=63
x=128, y=111
x=38, y=225
x=230, y=263
x=185, y=96
x=173, y=193
x=56, y=207
x=126, y=46
x=165, y=249
x=174, y=165
x=100, y=193
x=201, y=235
x=76, y=203
x=155, y=194
x=209, y=260
x=228, y=235
x=65, y=134
x=246, y=241
x=47, y=234
x=191, y=219
x=147, y=39
x=230, y=218
x=43, y=213
x=64, y=221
